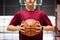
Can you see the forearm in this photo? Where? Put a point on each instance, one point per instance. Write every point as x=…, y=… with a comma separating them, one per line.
x=12, y=28
x=48, y=28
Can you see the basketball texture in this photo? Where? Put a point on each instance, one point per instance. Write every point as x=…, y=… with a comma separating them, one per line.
x=30, y=26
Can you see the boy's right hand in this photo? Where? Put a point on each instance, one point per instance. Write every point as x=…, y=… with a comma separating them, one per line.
x=21, y=28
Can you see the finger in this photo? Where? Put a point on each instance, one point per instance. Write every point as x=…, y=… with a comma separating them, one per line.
x=22, y=27
x=38, y=31
x=38, y=27
x=22, y=31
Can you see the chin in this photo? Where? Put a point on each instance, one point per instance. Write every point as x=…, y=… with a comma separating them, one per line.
x=30, y=4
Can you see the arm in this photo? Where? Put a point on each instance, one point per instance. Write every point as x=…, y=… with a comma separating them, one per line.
x=47, y=23
x=13, y=24
x=48, y=28
x=13, y=28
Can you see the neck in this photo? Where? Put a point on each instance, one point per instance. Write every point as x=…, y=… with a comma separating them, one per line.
x=30, y=8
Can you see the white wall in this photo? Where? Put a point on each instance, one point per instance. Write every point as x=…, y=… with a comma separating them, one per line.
x=58, y=15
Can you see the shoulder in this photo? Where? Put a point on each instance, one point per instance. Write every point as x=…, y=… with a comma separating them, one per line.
x=42, y=13
x=19, y=12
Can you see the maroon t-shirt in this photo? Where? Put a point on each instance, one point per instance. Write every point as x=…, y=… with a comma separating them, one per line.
x=36, y=15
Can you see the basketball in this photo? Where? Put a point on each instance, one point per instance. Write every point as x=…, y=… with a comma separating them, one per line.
x=30, y=27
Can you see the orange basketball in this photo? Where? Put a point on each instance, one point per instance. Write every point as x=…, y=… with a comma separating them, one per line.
x=30, y=27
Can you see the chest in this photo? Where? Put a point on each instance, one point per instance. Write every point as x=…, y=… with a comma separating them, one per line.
x=30, y=15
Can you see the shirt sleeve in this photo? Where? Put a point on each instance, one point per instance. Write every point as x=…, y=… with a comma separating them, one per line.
x=46, y=19
x=15, y=20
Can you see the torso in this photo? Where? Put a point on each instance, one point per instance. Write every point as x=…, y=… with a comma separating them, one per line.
x=24, y=15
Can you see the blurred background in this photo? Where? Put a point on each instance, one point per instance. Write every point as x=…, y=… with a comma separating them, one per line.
x=9, y=7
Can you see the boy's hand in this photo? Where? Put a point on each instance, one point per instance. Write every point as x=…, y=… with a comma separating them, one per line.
x=39, y=29
x=22, y=28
